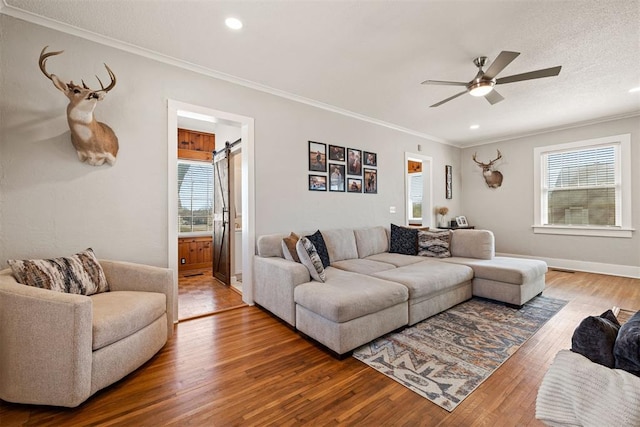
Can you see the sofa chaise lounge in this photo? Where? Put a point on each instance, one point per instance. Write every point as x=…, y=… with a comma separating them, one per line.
x=369, y=291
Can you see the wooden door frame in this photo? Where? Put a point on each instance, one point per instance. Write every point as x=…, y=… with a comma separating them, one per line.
x=246, y=125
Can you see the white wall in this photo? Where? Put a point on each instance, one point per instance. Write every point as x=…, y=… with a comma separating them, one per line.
x=52, y=205
x=508, y=210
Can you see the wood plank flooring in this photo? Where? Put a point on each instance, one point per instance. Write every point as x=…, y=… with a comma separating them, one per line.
x=244, y=367
x=200, y=294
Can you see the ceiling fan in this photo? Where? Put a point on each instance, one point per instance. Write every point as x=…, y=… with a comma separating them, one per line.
x=483, y=83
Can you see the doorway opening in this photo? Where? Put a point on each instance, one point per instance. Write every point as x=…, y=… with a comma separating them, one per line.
x=213, y=295
x=418, y=190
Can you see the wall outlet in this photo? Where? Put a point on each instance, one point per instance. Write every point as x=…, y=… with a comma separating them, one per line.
x=183, y=260
x=392, y=209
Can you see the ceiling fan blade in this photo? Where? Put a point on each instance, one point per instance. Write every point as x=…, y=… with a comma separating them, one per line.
x=440, y=82
x=500, y=63
x=538, y=74
x=448, y=99
x=494, y=97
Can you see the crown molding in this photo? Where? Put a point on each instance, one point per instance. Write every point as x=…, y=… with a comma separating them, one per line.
x=150, y=54
x=558, y=128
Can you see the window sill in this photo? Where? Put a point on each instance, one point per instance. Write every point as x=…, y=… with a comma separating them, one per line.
x=584, y=231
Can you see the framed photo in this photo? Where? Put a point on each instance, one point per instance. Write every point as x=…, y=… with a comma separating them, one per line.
x=336, y=177
x=336, y=153
x=354, y=162
x=461, y=221
x=370, y=159
x=448, y=182
x=317, y=183
x=370, y=181
x=354, y=185
x=317, y=156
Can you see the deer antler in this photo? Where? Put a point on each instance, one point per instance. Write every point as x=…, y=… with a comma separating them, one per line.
x=43, y=60
x=497, y=158
x=486, y=165
x=476, y=160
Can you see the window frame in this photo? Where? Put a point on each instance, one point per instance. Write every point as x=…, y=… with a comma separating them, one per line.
x=623, y=227
x=182, y=234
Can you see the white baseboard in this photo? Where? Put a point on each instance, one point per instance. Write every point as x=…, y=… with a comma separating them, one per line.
x=586, y=266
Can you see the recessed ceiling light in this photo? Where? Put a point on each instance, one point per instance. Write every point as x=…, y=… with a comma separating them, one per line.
x=474, y=127
x=233, y=23
x=635, y=89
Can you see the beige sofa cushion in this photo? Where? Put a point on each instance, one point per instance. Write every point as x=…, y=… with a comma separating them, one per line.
x=427, y=278
x=362, y=266
x=472, y=244
x=341, y=244
x=116, y=315
x=371, y=241
x=399, y=260
x=346, y=296
x=517, y=271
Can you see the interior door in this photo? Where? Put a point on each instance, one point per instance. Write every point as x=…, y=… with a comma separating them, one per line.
x=221, y=232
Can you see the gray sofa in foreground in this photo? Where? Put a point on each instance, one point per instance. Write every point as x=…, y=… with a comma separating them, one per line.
x=60, y=348
x=369, y=292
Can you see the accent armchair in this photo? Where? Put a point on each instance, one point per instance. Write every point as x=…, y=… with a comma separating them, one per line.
x=59, y=349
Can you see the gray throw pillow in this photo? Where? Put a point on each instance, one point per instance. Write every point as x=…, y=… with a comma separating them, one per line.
x=595, y=337
x=434, y=244
x=627, y=348
x=309, y=258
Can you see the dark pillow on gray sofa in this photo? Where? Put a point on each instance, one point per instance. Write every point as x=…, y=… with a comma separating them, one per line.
x=595, y=337
x=627, y=347
x=404, y=240
x=321, y=247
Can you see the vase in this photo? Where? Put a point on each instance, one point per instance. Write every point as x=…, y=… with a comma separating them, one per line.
x=443, y=223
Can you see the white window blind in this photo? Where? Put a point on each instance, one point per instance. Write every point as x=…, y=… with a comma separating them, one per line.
x=415, y=196
x=195, y=197
x=582, y=187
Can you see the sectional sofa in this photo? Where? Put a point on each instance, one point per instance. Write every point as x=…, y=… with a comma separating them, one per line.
x=369, y=291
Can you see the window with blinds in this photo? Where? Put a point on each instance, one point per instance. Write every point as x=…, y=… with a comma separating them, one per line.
x=582, y=186
x=415, y=196
x=195, y=197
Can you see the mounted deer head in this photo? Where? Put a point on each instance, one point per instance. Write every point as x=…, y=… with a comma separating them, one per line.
x=94, y=142
x=492, y=178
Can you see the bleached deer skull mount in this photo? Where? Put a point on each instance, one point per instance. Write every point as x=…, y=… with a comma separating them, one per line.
x=491, y=177
x=95, y=142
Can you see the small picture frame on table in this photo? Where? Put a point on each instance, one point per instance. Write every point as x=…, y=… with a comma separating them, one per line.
x=461, y=221
x=317, y=183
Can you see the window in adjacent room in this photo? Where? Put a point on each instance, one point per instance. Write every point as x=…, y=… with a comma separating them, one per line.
x=584, y=187
x=195, y=197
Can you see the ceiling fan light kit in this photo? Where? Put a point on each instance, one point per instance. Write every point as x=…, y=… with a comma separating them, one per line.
x=484, y=82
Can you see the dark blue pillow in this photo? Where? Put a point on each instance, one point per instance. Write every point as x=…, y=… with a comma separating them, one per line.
x=627, y=347
x=404, y=240
x=595, y=337
x=321, y=247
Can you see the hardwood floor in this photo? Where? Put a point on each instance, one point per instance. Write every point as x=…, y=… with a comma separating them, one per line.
x=244, y=367
x=200, y=294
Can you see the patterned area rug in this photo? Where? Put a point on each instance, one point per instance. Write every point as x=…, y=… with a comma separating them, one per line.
x=446, y=357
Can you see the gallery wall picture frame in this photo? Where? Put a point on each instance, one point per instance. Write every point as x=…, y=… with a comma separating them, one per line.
x=354, y=185
x=336, y=177
x=336, y=153
x=354, y=162
x=370, y=159
x=370, y=181
x=448, y=179
x=317, y=156
x=317, y=183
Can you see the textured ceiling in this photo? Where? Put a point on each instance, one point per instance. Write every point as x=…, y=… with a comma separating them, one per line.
x=369, y=57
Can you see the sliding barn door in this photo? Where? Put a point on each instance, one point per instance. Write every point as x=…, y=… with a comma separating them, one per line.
x=221, y=247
